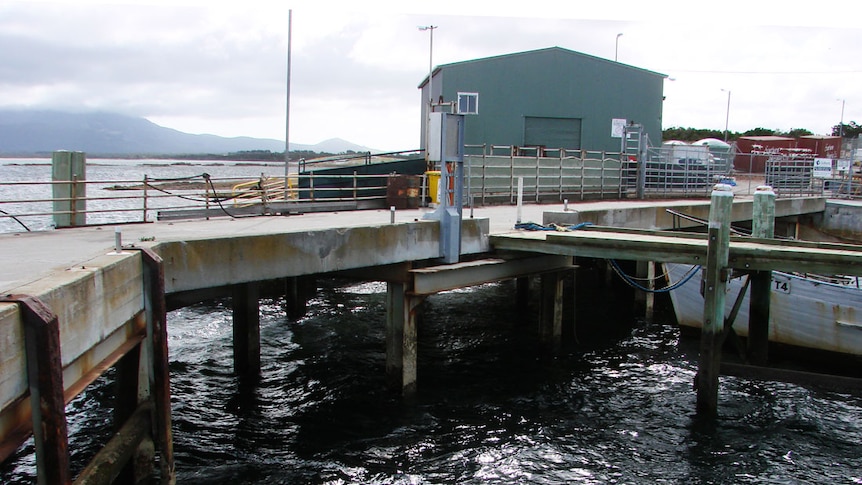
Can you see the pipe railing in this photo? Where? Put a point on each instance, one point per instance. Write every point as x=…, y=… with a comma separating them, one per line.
x=492, y=174
x=144, y=199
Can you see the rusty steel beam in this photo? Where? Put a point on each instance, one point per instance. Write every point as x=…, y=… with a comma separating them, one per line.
x=156, y=307
x=45, y=377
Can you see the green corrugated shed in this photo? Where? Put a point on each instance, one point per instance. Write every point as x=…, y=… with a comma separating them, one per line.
x=554, y=97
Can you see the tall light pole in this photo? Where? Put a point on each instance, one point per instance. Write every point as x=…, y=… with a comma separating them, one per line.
x=841, y=126
x=727, y=114
x=617, y=46
x=430, y=29
x=287, y=108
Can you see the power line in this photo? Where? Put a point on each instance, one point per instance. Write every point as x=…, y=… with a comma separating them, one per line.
x=695, y=71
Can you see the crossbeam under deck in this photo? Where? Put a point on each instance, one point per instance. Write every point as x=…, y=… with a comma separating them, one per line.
x=687, y=248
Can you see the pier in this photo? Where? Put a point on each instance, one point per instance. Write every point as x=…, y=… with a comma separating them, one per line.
x=91, y=298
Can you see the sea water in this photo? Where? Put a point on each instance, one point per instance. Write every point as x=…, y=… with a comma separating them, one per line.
x=615, y=405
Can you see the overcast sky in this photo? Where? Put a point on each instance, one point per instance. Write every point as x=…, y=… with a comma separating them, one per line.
x=221, y=67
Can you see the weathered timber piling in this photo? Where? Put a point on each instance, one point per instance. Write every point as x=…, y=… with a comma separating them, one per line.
x=551, y=319
x=715, y=284
x=522, y=294
x=645, y=300
x=402, y=313
x=297, y=291
x=246, y=329
x=763, y=226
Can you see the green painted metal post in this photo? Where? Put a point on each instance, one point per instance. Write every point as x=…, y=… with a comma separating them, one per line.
x=718, y=249
x=763, y=226
x=69, y=174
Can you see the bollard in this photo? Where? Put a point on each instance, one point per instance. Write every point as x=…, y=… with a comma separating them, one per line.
x=392, y=214
x=565, y=205
x=118, y=240
x=715, y=284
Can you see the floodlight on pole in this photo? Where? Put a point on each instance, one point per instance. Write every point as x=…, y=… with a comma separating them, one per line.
x=726, y=114
x=430, y=29
x=287, y=109
x=617, y=46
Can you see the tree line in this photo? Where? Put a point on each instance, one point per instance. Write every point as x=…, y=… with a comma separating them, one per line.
x=850, y=130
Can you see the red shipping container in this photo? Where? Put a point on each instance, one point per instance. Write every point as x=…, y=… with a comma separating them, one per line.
x=753, y=151
x=822, y=146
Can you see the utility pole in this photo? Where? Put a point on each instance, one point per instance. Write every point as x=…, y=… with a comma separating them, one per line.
x=287, y=110
x=430, y=29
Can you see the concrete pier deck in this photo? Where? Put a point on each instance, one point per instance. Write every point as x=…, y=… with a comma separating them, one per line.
x=27, y=257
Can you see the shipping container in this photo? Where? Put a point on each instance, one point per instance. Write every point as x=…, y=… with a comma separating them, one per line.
x=822, y=146
x=753, y=151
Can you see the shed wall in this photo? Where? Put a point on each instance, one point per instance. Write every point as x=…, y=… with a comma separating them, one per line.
x=554, y=83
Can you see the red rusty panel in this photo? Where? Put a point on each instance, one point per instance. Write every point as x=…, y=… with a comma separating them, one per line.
x=822, y=146
x=753, y=151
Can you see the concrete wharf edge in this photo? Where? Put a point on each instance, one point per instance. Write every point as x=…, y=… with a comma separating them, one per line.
x=98, y=293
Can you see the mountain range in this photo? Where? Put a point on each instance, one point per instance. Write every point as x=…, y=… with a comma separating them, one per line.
x=31, y=133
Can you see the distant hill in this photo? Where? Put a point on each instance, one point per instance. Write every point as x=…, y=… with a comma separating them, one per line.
x=28, y=133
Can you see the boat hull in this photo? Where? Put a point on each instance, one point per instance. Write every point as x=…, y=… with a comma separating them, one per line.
x=803, y=312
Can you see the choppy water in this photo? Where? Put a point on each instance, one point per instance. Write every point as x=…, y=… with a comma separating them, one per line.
x=493, y=406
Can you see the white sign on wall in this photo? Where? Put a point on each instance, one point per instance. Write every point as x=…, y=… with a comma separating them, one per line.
x=822, y=168
x=617, y=127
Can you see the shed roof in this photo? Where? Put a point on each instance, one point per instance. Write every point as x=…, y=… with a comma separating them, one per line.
x=766, y=138
x=534, y=52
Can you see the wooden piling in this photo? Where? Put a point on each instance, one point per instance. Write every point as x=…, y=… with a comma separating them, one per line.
x=551, y=321
x=522, y=294
x=649, y=311
x=297, y=291
x=763, y=226
x=126, y=402
x=106, y=466
x=715, y=279
x=395, y=293
x=402, y=310
x=246, y=329
x=644, y=300
x=573, y=332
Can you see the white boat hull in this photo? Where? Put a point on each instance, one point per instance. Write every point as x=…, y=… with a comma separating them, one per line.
x=803, y=312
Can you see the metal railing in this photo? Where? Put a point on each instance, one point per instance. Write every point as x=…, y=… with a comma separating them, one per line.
x=27, y=205
x=492, y=173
